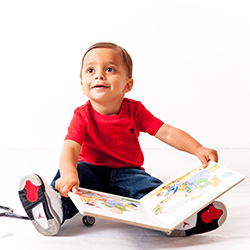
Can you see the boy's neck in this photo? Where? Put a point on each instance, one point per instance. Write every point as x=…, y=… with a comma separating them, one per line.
x=109, y=109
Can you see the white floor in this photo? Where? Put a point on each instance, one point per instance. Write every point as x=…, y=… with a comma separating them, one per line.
x=20, y=234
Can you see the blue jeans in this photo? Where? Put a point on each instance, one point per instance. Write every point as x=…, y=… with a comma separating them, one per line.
x=129, y=182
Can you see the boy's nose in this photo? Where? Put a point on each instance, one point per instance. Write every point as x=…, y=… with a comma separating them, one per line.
x=99, y=77
x=99, y=74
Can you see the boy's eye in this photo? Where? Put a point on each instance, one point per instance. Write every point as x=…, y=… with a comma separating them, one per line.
x=110, y=69
x=90, y=71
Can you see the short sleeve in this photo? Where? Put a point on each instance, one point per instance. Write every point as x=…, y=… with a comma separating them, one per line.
x=148, y=122
x=77, y=128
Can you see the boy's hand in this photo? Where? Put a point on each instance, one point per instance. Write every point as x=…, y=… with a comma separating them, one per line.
x=67, y=183
x=205, y=155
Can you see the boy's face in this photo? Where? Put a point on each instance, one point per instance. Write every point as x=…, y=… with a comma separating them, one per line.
x=105, y=77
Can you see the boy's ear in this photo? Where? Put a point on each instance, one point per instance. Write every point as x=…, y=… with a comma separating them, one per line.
x=82, y=87
x=129, y=85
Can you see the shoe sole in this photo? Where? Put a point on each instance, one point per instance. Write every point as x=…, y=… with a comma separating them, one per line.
x=37, y=205
x=220, y=206
x=209, y=219
x=215, y=210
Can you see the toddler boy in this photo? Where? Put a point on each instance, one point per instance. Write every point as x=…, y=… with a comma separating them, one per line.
x=101, y=150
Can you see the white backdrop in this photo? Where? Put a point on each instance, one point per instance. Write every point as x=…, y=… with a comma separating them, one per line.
x=191, y=66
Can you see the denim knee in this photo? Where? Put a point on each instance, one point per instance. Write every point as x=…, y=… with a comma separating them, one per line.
x=133, y=182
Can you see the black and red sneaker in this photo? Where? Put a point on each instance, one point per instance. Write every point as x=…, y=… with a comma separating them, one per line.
x=208, y=219
x=41, y=203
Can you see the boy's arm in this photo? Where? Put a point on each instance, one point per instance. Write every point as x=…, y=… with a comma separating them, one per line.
x=68, y=168
x=183, y=141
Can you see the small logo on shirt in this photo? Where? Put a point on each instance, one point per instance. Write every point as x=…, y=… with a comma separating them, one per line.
x=132, y=130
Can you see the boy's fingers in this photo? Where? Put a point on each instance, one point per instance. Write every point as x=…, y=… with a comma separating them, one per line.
x=67, y=188
x=214, y=156
x=207, y=155
x=75, y=189
x=64, y=192
x=204, y=162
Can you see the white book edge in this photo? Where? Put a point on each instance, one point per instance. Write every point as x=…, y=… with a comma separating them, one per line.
x=144, y=215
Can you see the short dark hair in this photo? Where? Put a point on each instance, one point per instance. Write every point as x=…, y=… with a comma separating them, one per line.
x=125, y=55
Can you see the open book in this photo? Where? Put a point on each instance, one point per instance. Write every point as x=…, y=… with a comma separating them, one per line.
x=165, y=207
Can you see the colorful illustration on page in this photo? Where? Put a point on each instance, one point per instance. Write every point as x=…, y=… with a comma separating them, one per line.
x=188, y=188
x=114, y=204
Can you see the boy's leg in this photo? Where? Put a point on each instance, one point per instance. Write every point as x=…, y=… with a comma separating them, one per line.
x=132, y=182
x=89, y=177
x=69, y=210
x=44, y=206
x=136, y=183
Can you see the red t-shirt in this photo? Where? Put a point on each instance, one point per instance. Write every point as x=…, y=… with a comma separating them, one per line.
x=112, y=141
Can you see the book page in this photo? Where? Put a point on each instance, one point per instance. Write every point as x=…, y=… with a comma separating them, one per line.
x=168, y=205
x=189, y=192
x=113, y=207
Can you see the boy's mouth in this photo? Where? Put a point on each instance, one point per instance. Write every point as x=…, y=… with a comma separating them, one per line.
x=99, y=86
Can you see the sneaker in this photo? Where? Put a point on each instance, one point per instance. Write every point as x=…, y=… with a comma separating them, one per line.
x=41, y=203
x=208, y=219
